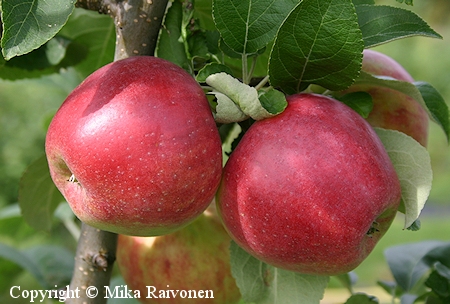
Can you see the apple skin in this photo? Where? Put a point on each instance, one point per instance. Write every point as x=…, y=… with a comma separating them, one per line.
x=134, y=148
x=310, y=190
x=193, y=258
x=392, y=109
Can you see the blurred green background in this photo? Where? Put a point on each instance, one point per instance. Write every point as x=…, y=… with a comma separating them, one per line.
x=26, y=107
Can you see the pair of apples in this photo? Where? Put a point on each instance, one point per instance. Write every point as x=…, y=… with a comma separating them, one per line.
x=135, y=150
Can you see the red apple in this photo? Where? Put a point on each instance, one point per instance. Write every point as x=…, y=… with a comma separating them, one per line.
x=392, y=109
x=311, y=190
x=195, y=258
x=134, y=149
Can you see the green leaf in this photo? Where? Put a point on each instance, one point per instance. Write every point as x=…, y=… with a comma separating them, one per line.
x=361, y=102
x=359, y=2
x=409, y=298
x=30, y=24
x=88, y=44
x=436, y=105
x=13, y=228
x=406, y=262
x=93, y=39
x=24, y=261
x=413, y=166
x=438, y=254
x=380, y=24
x=203, y=13
x=50, y=265
x=415, y=226
x=273, y=101
x=38, y=196
x=212, y=68
x=407, y=2
x=348, y=280
x=319, y=43
x=9, y=211
x=264, y=284
x=54, y=262
x=361, y=298
x=48, y=55
x=212, y=41
x=198, y=46
x=390, y=287
x=228, y=51
x=247, y=26
x=443, y=271
x=245, y=96
x=169, y=45
x=439, y=281
x=42, y=61
x=227, y=111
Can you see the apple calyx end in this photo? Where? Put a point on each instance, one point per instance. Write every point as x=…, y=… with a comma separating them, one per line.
x=73, y=179
x=373, y=229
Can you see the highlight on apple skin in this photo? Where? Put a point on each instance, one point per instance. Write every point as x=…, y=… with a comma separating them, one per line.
x=310, y=190
x=134, y=148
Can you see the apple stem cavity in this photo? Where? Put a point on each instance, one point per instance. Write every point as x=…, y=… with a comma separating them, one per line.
x=96, y=249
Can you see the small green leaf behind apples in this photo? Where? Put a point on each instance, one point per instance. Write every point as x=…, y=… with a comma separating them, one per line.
x=361, y=102
x=261, y=283
x=413, y=166
x=212, y=68
x=415, y=266
x=38, y=196
x=436, y=105
x=50, y=265
x=361, y=298
x=170, y=45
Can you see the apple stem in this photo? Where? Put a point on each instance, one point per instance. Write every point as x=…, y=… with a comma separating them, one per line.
x=137, y=25
x=252, y=68
x=262, y=83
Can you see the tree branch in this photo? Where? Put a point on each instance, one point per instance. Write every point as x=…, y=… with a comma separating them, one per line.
x=94, y=260
x=137, y=27
x=137, y=23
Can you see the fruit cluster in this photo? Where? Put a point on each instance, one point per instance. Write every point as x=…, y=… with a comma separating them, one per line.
x=135, y=150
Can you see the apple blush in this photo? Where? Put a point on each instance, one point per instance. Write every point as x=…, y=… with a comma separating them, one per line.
x=191, y=265
x=310, y=190
x=392, y=109
x=134, y=148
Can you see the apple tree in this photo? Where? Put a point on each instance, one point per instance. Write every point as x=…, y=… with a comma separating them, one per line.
x=318, y=142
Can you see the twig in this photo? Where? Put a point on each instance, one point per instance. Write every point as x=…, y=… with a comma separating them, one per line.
x=137, y=23
x=94, y=261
